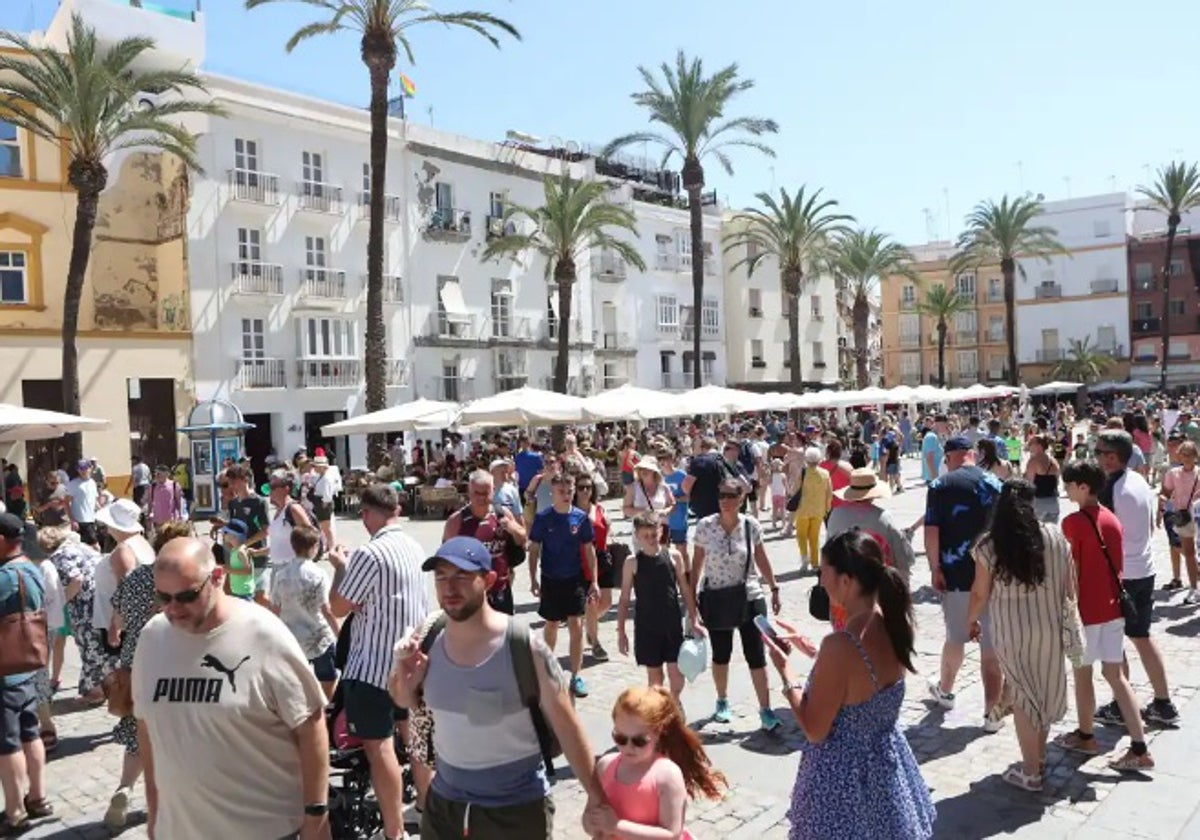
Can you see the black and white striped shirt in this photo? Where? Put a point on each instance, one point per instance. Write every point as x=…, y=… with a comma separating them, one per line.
x=385, y=582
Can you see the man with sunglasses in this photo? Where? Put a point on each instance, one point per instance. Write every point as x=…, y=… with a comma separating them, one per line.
x=231, y=718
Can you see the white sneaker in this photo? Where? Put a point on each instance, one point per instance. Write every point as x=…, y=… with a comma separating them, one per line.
x=993, y=721
x=945, y=699
x=117, y=815
x=1191, y=598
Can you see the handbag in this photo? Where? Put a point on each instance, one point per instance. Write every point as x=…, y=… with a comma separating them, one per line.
x=23, y=646
x=793, y=502
x=1182, y=518
x=1124, y=599
x=727, y=608
x=818, y=603
x=118, y=691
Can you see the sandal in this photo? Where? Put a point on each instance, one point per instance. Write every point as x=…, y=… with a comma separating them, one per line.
x=14, y=829
x=38, y=808
x=1076, y=743
x=1017, y=777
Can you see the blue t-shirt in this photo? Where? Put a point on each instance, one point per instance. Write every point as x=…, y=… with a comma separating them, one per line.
x=561, y=536
x=677, y=521
x=931, y=443
x=528, y=464
x=958, y=505
x=507, y=496
x=11, y=603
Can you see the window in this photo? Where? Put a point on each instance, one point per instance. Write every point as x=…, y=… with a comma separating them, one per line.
x=1143, y=273
x=683, y=244
x=1049, y=339
x=1101, y=228
x=968, y=363
x=710, y=317
x=664, y=362
x=496, y=205
x=787, y=353
x=964, y=322
x=689, y=362
x=1106, y=338
x=444, y=196
x=964, y=284
x=249, y=247
x=908, y=296
x=755, y=296
x=910, y=365
x=313, y=167
x=450, y=380
x=366, y=184
x=816, y=308
x=1143, y=309
x=1176, y=268
x=668, y=311
x=995, y=328
x=1146, y=351
x=910, y=326
x=10, y=151
x=1176, y=308
x=995, y=289
x=328, y=338
x=1178, y=348
x=502, y=306
x=818, y=354
x=314, y=255
x=708, y=363
x=245, y=155
x=756, y=352
x=14, y=277
x=253, y=339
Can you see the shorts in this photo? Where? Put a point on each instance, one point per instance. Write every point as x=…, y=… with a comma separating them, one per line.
x=562, y=599
x=18, y=716
x=1172, y=535
x=370, y=712
x=323, y=665
x=721, y=641
x=954, y=613
x=678, y=536
x=445, y=819
x=1141, y=591
x=779, y=506
x=626, y=479
x=654, y=647
x=1104, y=643
x=893, y=468
x=323, y=511
x=501, y=599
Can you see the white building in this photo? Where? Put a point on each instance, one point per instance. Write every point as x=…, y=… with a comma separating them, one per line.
x=1083, y=295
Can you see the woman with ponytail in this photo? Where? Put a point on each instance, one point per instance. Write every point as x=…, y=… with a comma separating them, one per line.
x=658, y=766
x=858, y=777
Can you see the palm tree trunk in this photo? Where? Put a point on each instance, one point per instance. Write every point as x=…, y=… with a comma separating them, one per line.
x=693, y=182
x=861, y=314
x=89, y=187
x=791, y=287
x=564, y=276
x=379, y=55
x=1172, y=226
x=1008, y=268
x=941, y=331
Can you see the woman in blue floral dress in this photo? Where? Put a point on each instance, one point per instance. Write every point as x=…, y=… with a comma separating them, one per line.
x=857, y=777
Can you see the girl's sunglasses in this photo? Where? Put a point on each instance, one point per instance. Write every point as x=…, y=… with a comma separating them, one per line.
x=622, y=740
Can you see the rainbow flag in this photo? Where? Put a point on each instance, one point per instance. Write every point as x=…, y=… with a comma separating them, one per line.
x=407, y=87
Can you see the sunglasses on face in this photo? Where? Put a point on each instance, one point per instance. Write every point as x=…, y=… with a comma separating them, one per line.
x=187, y=596
x=729, y=495
x=621, y=740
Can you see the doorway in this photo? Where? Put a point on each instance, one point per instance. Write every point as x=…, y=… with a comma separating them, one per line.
x=151, y=408
x=42, y=456
x=335, y=447
x=259, y=444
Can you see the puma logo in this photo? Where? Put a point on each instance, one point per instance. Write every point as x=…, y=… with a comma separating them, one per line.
x=210, y=661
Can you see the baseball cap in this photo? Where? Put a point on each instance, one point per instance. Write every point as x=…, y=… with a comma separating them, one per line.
x=958, y=443
x=11, y=526
x=467, y=553
x=238, y=528
x=498, y=463
x=84, y=464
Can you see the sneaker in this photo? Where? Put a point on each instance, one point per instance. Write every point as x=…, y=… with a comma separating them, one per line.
x=993, y=721
x=1172, y=585
x=598, y=652
x=1110, y=714
x=1130, y=763
x=117, y=815
x=945, y=699
x=769, y=720
x=722, y=713
x=578, y=686
x=1162, y=712
x=1076, y=743
x=1191, y=598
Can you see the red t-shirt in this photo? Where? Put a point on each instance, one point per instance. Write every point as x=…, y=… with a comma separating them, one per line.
x=599, y=537
x=1097, y=590
x=839, y=478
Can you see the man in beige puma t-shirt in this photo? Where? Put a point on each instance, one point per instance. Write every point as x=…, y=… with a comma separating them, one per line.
x=230, y=715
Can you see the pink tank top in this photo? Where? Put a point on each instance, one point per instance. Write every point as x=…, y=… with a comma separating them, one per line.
x=637, y=802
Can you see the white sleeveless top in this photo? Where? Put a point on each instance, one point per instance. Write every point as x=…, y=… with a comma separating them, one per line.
x=106, y=581
x=279, y=538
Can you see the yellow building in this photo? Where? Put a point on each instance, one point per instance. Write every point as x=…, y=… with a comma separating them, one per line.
x=134, y=321
x=975, y=343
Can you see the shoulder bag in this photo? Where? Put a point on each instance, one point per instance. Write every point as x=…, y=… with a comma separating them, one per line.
x=1124, y=599
x=793, y=502
x=1182, y=518
x=727, y=608
x=23, y=646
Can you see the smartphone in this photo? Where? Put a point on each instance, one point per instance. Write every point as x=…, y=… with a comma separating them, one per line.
x=764, y=626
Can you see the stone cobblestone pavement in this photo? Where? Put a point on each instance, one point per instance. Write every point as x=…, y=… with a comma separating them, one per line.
x=961, y=764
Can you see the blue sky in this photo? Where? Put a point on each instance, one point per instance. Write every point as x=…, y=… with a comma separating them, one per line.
x=894, y=108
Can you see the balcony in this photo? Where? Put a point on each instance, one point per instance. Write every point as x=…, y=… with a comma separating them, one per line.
x=933, y=338
x=257, y=279
x=608, y=268
x=254, y=187
x=908, y=305
x=610, y=382
x=511, y=330
x=1105, y=287
x=1116, y=351
x=966, y=336
x=1051, y=354
x=391, y=207
x=1047, y=291
x=670, y=262
x=322, y=285
x=910, y=340
x=511, y=371
x=319, y=198
x=966, y=378
x=329, y=373
x=910, y=379
x=1179, y=355
x=399, y=373
x=449, y=225
x=817, y=316
x=550, y=333
x=443, y=330
x=261, y=373
x=1141, y=326
x=707, y=333
x=615, y=342
x=393, y=288
x=1147, y=357
x=668, y=330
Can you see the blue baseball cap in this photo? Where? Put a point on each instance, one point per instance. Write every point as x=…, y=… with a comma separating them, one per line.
x=238, y=528
x=467, y=553
x=958, y=443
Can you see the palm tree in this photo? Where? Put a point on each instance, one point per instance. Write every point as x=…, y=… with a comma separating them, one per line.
x=942, y=304
x=861, y=259
x=1175, y=192
x=691, y=108
x=383, y=26
x=1000, y=233
x=85, y=98
x=576, y=218
x=1083, y=363
x=798, y=232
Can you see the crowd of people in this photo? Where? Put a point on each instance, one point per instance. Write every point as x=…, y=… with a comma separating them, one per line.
x=176, y=630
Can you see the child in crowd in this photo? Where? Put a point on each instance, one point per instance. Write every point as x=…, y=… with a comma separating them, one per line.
x=658, y=766
x=237, y=560
x=300, y=597
x=658, y=577
x=1080, y=451
x=779, y=495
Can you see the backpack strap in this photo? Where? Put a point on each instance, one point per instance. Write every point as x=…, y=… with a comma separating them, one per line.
x=435, y=629
x=521, y=650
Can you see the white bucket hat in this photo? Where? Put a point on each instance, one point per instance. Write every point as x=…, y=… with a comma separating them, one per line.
x=122, y=515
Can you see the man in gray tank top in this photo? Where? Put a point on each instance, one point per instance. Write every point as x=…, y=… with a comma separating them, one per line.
x=491, y=780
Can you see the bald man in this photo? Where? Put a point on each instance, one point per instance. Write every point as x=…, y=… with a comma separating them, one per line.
x=230, y=715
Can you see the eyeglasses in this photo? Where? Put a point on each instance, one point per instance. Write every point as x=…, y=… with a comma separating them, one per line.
x=729, y=495
x=581, y=487
x=621, y=740
x=187, y=596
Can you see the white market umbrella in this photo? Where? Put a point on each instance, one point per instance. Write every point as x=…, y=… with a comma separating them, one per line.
x=1134, y=385
x=20, y=423
x=523, y=407
x=714, y=399
x=628, y=402
x=418, y=415
x=930, y=394
x=1056, y=388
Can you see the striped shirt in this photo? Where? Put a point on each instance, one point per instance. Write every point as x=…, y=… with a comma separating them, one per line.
x=384, y=581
